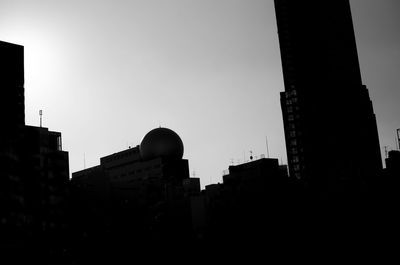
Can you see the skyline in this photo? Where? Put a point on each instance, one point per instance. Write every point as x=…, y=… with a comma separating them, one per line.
x=241, y=89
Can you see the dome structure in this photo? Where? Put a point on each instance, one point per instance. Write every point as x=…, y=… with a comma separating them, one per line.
x=161, y=142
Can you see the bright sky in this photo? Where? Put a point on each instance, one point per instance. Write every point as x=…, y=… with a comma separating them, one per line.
x=107, y=72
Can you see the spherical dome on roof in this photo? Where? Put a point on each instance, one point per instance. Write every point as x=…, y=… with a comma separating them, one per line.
x=161, y=142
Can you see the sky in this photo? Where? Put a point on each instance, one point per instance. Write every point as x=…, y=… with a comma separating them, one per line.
x=106, y=72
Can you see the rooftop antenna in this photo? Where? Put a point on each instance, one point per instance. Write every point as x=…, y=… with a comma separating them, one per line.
x=251, y=155
x=40, y=114
x=386, y=151
x=266, y=142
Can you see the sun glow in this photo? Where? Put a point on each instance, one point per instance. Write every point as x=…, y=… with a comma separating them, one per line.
x=42, y=60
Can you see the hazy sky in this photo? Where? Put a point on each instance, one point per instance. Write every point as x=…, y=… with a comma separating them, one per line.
x=107, y=72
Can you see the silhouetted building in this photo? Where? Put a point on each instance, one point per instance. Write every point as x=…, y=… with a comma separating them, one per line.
x=191, y=186
x=283, y=169
x=11, y=86
x=393, y=162
x=248, y=207
x=46, y=169
x=258, y=184
x=390, y=181
x=142, y=193
x=34, y=173
x=326, y=109
x=12, y=108
x=264, y=169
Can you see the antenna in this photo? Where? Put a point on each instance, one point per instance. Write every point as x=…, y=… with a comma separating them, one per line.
x=251, y=155
x=266, y=142
x=40, y=114
x=386, y=151
x=84, y=161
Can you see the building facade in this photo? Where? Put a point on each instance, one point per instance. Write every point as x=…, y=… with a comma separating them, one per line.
x=326, y=109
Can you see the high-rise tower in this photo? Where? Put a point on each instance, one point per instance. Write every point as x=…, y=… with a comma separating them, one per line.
x=12, y=85
x=330, y=127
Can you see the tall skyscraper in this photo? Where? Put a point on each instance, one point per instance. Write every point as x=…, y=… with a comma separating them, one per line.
x=330, y=127
x=12, y=84
x=13, y=121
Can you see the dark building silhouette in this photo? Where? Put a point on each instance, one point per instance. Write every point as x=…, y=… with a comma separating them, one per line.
x=136, y=200
x=393, y=162
x=12, y=86
x=34, y=174
x=12, y=107
x=44, y=171
x=330, y=127
x=261, y=173
x=246, y=211
x=390, y=181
